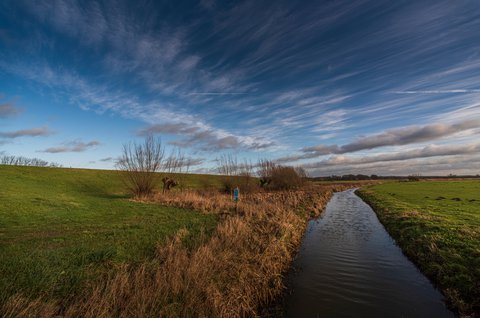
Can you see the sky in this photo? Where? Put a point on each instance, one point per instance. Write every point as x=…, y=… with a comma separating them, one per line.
x=338, y=87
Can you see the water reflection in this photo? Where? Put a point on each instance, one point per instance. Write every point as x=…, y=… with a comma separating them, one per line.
x=349, y=266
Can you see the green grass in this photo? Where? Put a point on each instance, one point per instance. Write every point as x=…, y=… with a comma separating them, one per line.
x=60, y=228
x=437, y=225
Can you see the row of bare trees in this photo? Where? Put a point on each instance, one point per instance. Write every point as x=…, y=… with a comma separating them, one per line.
x=143, y=162
x=24, y=161
x=270, y=174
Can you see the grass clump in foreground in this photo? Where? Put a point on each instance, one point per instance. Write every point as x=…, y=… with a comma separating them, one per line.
x=437, y=225
x=61, y=229
x=232, y=274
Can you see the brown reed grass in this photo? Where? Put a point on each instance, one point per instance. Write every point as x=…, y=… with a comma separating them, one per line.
x=233, y=274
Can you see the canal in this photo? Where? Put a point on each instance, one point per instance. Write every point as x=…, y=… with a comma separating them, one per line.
x=349, y=266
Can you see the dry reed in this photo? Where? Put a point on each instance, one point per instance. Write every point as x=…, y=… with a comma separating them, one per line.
x=233, y=274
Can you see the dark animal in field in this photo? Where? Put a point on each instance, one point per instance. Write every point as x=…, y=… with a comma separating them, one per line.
x=168, y=183
x=265, y=182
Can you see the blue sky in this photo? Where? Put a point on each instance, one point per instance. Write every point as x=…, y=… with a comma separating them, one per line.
x=385, y=87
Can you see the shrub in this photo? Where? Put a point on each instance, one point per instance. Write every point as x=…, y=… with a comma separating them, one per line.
x=278, y=177
x=141, y=162
x=285, y=178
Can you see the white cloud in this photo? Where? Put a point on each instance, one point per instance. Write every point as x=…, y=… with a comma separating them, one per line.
x=31, y=132
x=72, y=146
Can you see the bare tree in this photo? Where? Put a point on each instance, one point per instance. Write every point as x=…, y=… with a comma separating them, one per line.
x=265, y=170
x=141, y=162
x=236, y=174
x=183, y=169
x=24, y=161
x=301, y=172
x=177, y=163
x=246, y=176
x=229, y=168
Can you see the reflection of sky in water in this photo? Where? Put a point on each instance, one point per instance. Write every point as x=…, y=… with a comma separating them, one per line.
x=348, y=266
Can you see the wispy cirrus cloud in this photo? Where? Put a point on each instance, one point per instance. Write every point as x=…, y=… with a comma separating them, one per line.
x=425, y=166
x=215, y=93
x=9, y=109
x=100, y=99
x=191, y=162
x=31, y=132
x=236, y=76
x=448, y=91
x=72, y=146
x=391, y=137
x=425, y=152
x=205, y=138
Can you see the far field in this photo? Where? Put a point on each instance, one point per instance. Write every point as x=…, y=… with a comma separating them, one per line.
x=60, y=228
x=437, y=225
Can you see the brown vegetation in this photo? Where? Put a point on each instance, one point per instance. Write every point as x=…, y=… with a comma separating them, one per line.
x=235, y=173
x=142, y=162
x=270, y=175
x=234, y=273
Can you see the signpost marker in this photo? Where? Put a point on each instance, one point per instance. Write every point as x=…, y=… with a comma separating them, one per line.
x=236, y=197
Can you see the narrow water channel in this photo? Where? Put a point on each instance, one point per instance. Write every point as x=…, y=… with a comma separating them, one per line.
x=349, y=266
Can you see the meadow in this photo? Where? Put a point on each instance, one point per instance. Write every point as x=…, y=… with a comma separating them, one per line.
x=61, y=228
x=73, y=243
x=437, y=225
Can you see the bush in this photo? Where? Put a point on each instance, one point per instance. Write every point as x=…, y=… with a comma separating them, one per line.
x=285, y=178
x=278, y=177
x=414, y=177
x=141, y=162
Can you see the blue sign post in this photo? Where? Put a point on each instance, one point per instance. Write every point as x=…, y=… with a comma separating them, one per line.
x=236, y=197
x=236, y=194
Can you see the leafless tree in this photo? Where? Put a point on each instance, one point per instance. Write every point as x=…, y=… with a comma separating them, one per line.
x=265, y=170
x=235, y=173
x=24, y=161
x=246, y=176
x=228, y=165
x=140, y=163
x=301, y=172
x=179, y=164
x=229, y=168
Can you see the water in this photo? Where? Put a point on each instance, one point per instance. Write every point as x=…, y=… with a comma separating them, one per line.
x=349, y=266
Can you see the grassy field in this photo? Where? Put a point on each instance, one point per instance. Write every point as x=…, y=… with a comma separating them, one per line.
x=60, y=228
x=437, y=225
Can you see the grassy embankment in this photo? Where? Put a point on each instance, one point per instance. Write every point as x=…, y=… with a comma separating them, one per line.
x=81, y=221
x=60, y=228
x=437, y=225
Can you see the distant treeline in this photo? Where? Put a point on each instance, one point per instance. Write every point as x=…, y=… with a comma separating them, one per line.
x=376, y=177
x=24, y=161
